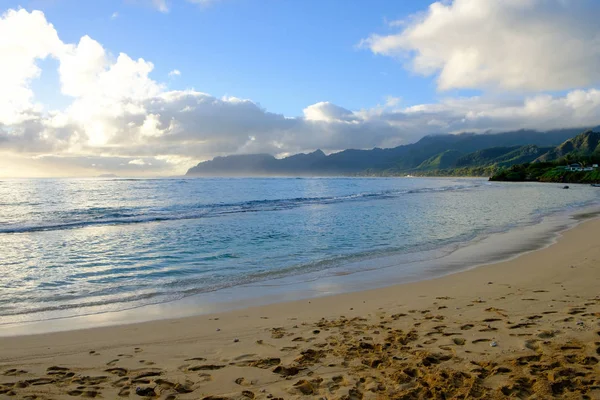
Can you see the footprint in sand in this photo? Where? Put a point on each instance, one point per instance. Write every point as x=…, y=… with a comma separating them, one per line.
x=265, y=363
x=209, y=367
x=286, y=371
x=143, y=377
x=277, y=333
x=204, y=377
x=243, y=382
x=488, y=320
x=179, y=388
x=41, y=381
x=90, y=380
x=522, y=388
x=532, y=344
x=56, y=370
x=524, y=360
x=117, y=371
x=84, y=393
x=547, y=334
x=14, y=372
x=146, y=391
x=243, y=356
x=336, y=383
x=522, y=325
x=125, y=392
x=7, y=389
x=120, y=383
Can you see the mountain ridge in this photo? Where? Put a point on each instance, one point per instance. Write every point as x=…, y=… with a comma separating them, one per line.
x=582, y=150
x=431, y=153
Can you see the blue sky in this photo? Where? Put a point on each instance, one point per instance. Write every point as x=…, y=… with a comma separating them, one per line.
x=284, y=55
x=87, y=86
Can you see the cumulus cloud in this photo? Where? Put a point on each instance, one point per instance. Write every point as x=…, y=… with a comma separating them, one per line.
x=327, y=112
x=24, y=38
x=537, y=45
x=175, y=72
x=120, y=120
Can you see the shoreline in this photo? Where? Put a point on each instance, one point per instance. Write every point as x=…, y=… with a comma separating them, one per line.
x=523, y=324
x=496, y=247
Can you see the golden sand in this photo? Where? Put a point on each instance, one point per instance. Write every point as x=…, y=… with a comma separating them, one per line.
x=528, y=328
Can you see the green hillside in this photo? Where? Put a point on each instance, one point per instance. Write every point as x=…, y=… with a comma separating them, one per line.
x=449, y=154
x=582, y=145
x=444, y=160
x=583, y=149
x=484, y=162
x=502, y=156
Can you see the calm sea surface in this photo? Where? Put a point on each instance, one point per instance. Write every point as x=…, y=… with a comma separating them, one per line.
x=81, y=246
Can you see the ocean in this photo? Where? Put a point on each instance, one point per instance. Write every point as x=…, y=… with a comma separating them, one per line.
x=75, y=247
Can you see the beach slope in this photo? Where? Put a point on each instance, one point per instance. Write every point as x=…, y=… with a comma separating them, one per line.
x=526, y=328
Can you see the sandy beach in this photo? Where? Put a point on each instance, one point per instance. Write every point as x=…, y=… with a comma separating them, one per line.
x=526, y=328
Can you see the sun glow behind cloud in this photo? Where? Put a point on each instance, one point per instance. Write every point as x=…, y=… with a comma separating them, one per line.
x=122, y=120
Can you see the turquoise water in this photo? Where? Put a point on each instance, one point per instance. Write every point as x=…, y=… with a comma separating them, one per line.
x=82, y=246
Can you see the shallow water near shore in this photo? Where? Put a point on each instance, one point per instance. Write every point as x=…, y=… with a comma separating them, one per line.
x=95, y=252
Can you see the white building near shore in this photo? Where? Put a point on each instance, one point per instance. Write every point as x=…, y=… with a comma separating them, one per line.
x=576, y=167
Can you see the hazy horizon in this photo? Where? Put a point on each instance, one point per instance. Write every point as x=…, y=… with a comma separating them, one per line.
x=152, y=87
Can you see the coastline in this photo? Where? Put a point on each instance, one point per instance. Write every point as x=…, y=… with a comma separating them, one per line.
x=540, y=308
x=356, y=276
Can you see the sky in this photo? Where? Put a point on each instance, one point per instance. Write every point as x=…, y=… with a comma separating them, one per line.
x=152, y=87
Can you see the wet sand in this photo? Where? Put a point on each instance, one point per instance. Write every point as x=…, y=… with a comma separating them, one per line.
x=526, y=328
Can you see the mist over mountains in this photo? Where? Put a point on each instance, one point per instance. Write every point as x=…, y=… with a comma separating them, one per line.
x=431, y=153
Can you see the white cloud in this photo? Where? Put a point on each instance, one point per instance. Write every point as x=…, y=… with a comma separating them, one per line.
x=114, y=15
x=24, y=38
x=122, y=121
x=328, y=112
x=161, y=5
x=137, y=161
x=175, y=72
x=509, y=44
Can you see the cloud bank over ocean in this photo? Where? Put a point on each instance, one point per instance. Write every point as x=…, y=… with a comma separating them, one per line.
x=536, y=65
